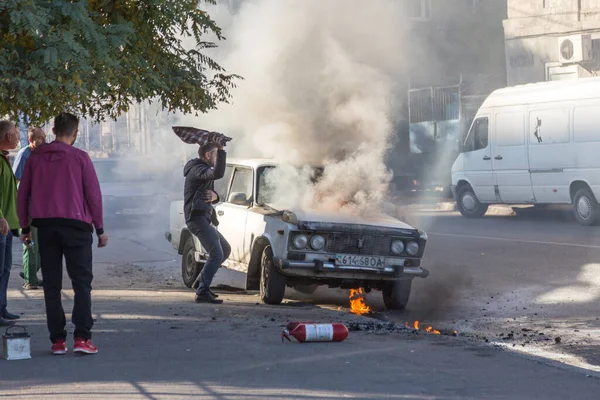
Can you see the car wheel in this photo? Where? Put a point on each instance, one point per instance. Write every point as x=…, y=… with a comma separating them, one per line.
x=468, y=204
x=396, y=295
x=190, y=269
x=272, y=282
x=585, y=207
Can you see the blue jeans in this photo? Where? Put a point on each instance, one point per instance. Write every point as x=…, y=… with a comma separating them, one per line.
x=5, y=266
x=215, y=245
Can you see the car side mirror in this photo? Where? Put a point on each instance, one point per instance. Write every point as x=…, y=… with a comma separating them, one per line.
x=238, y=198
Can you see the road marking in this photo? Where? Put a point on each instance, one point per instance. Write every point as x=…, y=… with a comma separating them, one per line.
x=585, y=246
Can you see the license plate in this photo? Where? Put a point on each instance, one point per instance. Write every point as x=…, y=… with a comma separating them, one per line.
x=359, y=261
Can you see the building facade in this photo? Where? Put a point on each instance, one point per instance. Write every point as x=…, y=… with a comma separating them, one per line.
x=457, y=59
x=552, y=40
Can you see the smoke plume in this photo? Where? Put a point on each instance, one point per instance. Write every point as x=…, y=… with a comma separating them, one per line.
x=321, y=86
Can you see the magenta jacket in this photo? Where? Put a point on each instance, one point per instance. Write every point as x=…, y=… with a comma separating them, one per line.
x=59, y=187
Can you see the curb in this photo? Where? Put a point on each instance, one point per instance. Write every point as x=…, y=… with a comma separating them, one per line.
x=448, y=207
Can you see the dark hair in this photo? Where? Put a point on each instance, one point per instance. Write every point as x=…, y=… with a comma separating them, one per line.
x=65, y=124
x=208, y=147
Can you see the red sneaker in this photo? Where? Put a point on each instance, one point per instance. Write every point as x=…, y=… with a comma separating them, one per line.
x=59, y=347
x=84, y=346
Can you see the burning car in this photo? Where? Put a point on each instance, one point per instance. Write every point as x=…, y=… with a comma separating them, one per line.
x=299, y=248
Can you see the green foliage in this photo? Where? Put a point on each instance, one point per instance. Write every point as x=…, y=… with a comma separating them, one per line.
x=97, y=57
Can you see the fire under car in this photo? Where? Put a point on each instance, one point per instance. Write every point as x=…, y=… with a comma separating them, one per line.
x=278, y=248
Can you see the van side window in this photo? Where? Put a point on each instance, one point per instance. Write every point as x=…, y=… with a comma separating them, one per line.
x=478, y=136
x=586, y=124
x=510, y=129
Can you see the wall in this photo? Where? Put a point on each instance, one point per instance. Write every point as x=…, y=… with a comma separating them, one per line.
x=532, y=32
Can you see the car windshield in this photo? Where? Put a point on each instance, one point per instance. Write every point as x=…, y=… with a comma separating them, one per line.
x=266, y=176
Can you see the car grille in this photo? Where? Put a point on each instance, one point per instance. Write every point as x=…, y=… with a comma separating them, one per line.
x=346, y=243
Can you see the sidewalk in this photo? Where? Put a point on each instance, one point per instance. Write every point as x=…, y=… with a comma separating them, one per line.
x=158, y=344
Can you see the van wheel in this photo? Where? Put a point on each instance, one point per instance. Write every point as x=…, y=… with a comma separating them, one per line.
x=468, y=204
x=585, y=207
x=396, y=295
x=190, y=269
x=272, y=282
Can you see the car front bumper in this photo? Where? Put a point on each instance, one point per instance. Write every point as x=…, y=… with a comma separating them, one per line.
x=318, y=269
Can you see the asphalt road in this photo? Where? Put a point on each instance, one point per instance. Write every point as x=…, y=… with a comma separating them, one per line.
x=535, y=271
x=505, y=278
x=156, y=343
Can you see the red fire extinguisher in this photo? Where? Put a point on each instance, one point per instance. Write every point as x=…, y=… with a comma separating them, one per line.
x=312, y=332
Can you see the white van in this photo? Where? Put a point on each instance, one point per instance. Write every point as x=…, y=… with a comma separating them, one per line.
x=533, y=144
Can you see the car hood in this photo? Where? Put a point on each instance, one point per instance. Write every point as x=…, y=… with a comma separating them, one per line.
x=317, y=216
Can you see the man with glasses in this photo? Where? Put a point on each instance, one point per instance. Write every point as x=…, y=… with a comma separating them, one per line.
x=31, y=257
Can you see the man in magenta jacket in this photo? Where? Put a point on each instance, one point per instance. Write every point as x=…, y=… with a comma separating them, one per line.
x=59, y=194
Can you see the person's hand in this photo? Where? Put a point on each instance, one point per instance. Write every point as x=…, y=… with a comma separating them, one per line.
x=102, y=240
x=4, y=228
x=210, y=196
x=218, y=142
x=25, y=237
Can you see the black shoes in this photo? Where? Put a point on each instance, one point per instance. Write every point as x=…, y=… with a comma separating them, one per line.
x=9, y=316
x=5, y=322
x=207, y=298
x=196, y=285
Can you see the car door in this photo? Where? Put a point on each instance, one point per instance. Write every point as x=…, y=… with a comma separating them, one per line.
x=233, y=213
x=509, y=156
x=477, y=166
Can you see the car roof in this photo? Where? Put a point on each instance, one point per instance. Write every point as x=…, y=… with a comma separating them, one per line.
x=253, y=162
x=261, y=162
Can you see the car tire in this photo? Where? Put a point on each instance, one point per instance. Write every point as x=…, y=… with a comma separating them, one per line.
x=272, y=282
x=190, y=269
x=585, y=207
x=396, y=295
x=468, y=204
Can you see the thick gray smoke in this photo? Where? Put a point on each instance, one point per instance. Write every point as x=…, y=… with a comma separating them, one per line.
x=321, y=83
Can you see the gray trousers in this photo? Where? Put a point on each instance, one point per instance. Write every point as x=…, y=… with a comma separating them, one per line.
x=216, y=246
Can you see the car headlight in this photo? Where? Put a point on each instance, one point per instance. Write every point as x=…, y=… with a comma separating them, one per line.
x=412, y=248
x=300, y=241
x=397, y=247
x=317, y=242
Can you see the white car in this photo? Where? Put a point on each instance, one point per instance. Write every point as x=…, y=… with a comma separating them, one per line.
x=301, y=249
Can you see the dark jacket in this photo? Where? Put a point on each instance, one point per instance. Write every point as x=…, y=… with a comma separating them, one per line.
x=200, y=177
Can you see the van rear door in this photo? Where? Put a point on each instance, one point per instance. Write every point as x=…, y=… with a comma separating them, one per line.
x=509, y=156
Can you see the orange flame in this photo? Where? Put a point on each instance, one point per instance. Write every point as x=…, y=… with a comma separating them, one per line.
x=429, y=329
x=357, y=302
